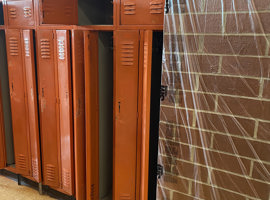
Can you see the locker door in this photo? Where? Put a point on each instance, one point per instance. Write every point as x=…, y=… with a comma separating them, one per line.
x=125, y=113
x=18, y=102
x=142, y=12
x=29, y=63
x=146, y=98
x=92, y=113
x=79, y=113
x=48, y=107
x=59, y=12
x=65, y=110
x=20, y=12
x=2, y=136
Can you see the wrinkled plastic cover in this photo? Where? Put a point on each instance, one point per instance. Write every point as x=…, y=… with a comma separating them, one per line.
x=215, y=115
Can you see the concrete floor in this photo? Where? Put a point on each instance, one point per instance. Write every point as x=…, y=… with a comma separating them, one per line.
x=9, y=190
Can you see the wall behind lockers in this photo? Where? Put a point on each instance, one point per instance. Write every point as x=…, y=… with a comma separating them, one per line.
x=215, y=121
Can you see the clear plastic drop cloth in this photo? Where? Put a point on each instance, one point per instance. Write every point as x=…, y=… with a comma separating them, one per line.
x=215, y=118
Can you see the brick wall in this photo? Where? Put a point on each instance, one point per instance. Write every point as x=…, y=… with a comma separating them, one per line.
x=215, y=121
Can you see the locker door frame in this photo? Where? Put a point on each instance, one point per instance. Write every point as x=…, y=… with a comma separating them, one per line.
x=31, y=98
x=3, y=160
x=79, y=113
x=20, y=57
x=92, y=113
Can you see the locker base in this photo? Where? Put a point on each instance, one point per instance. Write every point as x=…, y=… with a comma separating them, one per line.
x=40, y=189
x=19, y=177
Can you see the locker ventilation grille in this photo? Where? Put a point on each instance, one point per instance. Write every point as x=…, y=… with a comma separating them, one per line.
x=127, y=53
x=27, y=12
x=156, y=7
x=129, y=8
x=125, y=197
x=93, y=192
x=12, y=13
x=35, y=168
x=68, y=11
x=45, y=48
x=50, y=173
x=14, y=46
x=48, y=8
x=21, y=162
x=66, y=178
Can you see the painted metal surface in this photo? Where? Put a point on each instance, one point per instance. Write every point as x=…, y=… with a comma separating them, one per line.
x=141, y=12
x=92, y=114
x=19, y=12
x=59, y=12
x=54, y=75
x=48, y=104
x=125, y=113
x=31, y=95
x=79, y=113
x=18, y=102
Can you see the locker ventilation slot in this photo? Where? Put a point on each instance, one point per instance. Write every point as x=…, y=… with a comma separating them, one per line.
x=93, y=192
x=35, y=168
x=50, y=173
x=14, y=46
x=156, y=7
x=12, y=13
x=48, y=8
x=27, y=12
x=21, y=162
x=127, y=54
x=68, y=11
x=129, y=8
x=27, y=47
x=45, y=48
x=125, y=197
x=66, y=179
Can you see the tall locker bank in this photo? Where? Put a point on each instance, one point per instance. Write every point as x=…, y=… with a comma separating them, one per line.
x=23, y=100
x=55, y=106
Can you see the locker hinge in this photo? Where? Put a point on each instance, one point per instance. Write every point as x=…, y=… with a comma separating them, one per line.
x=163, y=92
x=167, y=6
x=160, y=171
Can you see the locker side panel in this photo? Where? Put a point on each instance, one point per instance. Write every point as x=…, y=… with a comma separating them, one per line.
x=30, y=72
x=79, y=113
x=18, y=102
x=20, y=12
x=2, y=136
x=92, y=113
x=142, y=12
x=59, y=12
x=65, y=110
x=47, y=108
x=125, y=111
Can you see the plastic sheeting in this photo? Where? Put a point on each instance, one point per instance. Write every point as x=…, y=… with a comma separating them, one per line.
x=215, y=120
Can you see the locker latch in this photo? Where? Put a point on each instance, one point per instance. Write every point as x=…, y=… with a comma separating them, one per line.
x=160, y=171
x=163, y=92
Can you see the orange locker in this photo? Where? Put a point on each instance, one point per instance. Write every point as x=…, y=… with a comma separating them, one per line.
x=132, y=85
x=21, y=68
x=54, y=80
x=141, y=12
x=58, y=12
x=19, y=13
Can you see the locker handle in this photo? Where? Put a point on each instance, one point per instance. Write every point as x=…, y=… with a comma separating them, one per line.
x=119, y=106
x=43, y=92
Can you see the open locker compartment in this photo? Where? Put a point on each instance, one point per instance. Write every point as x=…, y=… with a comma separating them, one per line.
x=1, y=13
x=7, y=133
x=92, y=95
x=92, y=12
